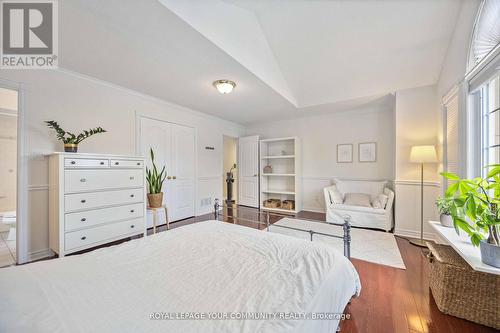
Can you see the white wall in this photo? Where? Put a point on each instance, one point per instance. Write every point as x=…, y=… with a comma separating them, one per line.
x=230, y=158
x=8, y=161
x=416, y=124
x=319, y=137
x=78, y=102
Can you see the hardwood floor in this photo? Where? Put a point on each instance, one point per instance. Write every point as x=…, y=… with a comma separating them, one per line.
x=391, y=300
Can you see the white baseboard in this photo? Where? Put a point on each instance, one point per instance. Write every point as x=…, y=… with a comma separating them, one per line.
x=313, y=209
x=415, y=234
x=40, y=254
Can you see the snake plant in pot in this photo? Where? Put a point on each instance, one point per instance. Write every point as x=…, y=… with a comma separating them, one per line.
x=155, y=181
x=474, y=209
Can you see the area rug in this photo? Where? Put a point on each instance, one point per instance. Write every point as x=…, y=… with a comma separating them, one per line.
x=378, y=247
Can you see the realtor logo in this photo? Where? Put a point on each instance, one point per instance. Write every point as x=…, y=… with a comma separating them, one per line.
x=29, y=34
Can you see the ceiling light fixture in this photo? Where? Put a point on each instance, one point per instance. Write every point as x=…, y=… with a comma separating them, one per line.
x=224, y=86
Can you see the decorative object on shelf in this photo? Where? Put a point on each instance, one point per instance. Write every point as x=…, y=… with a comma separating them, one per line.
x=224, y=86
x=461, y=291
x=288, y=204
x=421, y=155
x=283, y=153
x=229, y=184
x=155, y=181
x=344, y=153
x=367, y=152
x=272, y=203
x=477, y=200
x=268, y=169
x=69, y=139
x=443, y=205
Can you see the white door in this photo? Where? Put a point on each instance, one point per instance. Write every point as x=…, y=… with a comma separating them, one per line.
x=248, y=171
x=183, y=182
x=174, y=148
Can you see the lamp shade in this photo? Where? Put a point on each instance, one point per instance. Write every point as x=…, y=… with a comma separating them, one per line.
x=423, y=154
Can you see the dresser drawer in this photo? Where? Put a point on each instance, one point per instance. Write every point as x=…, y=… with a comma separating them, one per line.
x=102, y=234
x=85, y=163
x=80, y=201
x=92, y=180
x=90, y=218
x=127, y=163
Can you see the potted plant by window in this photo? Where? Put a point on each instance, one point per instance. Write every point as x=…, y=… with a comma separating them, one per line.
x=155, y=181
x=444, y=205
x=71, y=140
x=474, y=209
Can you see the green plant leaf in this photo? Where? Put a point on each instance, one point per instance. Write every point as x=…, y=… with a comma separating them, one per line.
x=450, y=175
x=451, y=190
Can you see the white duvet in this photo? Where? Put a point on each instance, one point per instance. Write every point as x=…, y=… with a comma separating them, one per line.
x=204, y=269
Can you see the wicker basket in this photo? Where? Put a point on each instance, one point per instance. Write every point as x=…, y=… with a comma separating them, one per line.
x=460, y=291
x=272, y=203
x=288, y=204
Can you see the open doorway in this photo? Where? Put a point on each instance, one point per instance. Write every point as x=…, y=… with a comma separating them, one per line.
x=229, y=177
x=8, y=178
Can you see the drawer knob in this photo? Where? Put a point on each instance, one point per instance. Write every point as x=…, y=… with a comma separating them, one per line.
x=102, y=163
x=73, y=162
x=117, y=163
x=174, y=177
x=83, y=219
x=83, y=180
x=132, y=226
x=132, y=210
x=132, y=178
x=84, y=237
x=138, y=163
x=131, y=195
x=83, y=201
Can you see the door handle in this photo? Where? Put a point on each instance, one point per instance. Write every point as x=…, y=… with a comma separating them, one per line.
x=255, y=175
x=174, y=177
x=169, y=177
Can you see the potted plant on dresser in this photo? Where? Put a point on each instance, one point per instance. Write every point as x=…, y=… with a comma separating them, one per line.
x=71, y=140
x=474, y=209
x=155, y=181
x=444, y=206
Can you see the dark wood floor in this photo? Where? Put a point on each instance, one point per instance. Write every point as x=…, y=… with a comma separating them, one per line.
x=391, y=300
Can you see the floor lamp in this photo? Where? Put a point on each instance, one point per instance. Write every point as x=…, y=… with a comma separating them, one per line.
x=422, y=155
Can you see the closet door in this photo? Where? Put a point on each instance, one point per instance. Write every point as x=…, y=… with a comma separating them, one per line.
x=158, y=135
x=183, y=180
x=248, y=180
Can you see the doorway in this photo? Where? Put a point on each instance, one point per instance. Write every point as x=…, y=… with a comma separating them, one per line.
x=8, y=175
x=229, y=172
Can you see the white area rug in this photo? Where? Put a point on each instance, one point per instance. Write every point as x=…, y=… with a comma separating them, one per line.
x=374, y=246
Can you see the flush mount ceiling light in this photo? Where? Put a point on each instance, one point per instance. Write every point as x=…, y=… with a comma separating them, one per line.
x=224, y=86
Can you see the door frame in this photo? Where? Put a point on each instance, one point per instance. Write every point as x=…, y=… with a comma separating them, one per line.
x=22, y=225
x=237, y=138
x=141, y=114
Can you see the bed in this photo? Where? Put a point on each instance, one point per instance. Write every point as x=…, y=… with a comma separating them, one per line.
x=160, y=283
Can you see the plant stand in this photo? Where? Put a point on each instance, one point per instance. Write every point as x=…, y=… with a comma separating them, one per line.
x=155, y=217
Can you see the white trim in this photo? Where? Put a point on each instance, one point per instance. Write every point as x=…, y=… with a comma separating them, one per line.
x=313, y=210
x=22, y=224
x=417, y=183
x=38, y=187
x=449, y=95
x=415, y=234
x=40, y=254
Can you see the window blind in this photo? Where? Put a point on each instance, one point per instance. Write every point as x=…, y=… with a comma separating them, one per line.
x=451, y=135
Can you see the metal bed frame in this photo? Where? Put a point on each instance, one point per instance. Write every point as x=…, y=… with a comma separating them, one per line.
x=346, y=226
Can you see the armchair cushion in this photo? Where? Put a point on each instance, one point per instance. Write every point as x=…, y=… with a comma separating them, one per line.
x=373, y=188
x=335, y=195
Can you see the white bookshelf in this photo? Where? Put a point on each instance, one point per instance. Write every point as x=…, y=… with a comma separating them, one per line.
x=284, y=182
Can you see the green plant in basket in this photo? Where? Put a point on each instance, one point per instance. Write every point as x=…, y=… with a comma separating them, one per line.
x=474, y=208
x=154, y=178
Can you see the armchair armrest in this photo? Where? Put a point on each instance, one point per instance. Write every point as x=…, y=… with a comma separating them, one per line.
x=328, y=200
x=390, y=199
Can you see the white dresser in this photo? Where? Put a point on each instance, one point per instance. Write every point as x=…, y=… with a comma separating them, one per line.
x=94, y=199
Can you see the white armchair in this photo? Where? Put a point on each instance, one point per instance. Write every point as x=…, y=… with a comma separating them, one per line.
x=375, y=212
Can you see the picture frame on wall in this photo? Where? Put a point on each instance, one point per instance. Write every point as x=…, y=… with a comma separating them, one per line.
x=344, y=153
x=367, y=152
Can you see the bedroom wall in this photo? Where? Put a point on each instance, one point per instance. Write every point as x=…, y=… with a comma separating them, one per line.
x=319, y=138
x=78, y=102
x=416, y=123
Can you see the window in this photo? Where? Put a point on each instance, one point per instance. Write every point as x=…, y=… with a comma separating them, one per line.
x=490, y=122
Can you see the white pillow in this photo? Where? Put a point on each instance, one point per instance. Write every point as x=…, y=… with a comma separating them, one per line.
x=357, y=199
x=335, y=196
x=380, y=202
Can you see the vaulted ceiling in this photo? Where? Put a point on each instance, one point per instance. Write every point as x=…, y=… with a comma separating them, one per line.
x=289, y=58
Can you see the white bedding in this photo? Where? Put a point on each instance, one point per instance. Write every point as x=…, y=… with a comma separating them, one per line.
x=203, y=267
